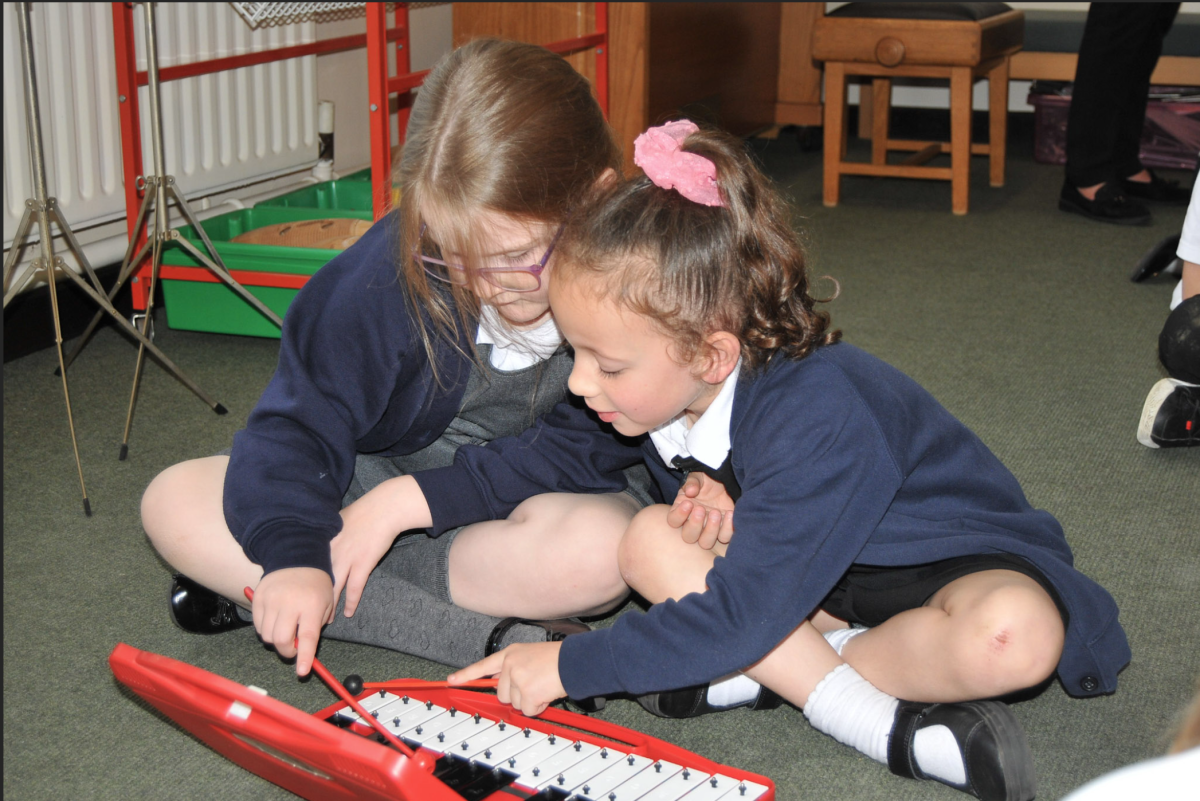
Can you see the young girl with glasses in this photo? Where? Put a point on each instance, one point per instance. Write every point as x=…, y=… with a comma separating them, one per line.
x=431, y=332
x=883, y=571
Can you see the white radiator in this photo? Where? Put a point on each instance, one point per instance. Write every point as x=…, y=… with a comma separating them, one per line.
x=219, y=131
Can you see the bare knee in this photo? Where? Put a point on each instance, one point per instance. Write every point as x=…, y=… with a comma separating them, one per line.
x=1013, y=639
x=181, y=500
x=641, y=550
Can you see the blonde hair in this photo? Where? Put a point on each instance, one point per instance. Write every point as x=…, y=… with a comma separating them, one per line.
x=501, y=126
x=695, y=269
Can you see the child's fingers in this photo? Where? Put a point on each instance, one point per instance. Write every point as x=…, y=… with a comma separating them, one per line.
x=711, y=530
x=354, y=591
x=678, y=513
x=691, y=486
x=726, y=533
x=488, y=666
x=309, y=633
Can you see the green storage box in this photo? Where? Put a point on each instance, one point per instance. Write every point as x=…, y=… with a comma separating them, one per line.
x=214, y=307
x=342, y=195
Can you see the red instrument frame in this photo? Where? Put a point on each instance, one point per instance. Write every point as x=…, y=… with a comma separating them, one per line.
x=319, y=761
x=380, y=88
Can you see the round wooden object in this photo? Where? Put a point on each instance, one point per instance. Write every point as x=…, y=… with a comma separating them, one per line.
x=889, y=52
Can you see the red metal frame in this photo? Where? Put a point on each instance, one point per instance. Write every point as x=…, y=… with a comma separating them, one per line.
x=380, y=86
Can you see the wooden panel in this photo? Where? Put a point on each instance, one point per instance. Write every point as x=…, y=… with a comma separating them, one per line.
x=799, y=86
x=715, y=61
x=629, y=76
x=538, y=23
x=1032, y=66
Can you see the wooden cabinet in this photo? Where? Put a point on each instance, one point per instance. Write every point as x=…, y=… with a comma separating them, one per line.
x=743, y=66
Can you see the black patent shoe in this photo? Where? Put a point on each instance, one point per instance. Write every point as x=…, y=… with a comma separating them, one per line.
x=556, y=631
x=1110, y=205
x=199, y=610
x=999, y=764
x=1157, y=190
x=692, y=702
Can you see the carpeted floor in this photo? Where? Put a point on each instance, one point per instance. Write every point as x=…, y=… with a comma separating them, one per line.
x=1019, y=318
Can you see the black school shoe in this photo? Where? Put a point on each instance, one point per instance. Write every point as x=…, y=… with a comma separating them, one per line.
x=1171, y=415
x=999, y=764
x=199, y=610
x=1157, y=190
x=691, y=702
x=556, y=631
x=1111, y=205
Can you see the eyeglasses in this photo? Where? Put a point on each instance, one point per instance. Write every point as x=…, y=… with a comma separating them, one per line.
x=510, y=279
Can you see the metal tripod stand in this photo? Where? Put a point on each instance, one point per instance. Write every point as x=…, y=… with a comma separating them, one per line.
x=152, y=217
x=42, y=209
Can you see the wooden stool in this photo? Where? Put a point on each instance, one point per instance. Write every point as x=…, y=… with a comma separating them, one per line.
x=961, y=42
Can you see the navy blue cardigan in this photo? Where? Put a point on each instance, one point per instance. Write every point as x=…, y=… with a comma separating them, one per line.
x=842, y=459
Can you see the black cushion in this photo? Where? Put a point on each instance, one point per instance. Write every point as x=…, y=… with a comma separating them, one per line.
x=951, y=12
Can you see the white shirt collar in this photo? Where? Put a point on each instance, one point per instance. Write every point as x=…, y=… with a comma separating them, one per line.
x=708, y=438
x=516, y=350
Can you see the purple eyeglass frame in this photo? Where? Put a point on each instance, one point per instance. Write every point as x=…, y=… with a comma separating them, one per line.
x=486, y=272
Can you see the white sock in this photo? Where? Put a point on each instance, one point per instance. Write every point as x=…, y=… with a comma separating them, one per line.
x=852, y=711
x=735, y=689
x=839, y=637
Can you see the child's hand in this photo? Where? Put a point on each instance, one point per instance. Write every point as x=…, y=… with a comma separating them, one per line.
x=527, y=675
x=290, y=607
x=369, y=527
x=703, y=511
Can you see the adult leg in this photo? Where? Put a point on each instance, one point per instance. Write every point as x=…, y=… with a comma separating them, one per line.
x=183, y=515
x=1119, y=41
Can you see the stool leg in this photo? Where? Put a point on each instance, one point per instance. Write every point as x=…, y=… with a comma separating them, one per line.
x=882, y=91
x=997, y=120
x=866, y=110
x=835, y=129
x=960, y=137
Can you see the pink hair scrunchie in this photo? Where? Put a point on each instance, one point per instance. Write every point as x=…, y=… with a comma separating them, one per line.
x=658, y=152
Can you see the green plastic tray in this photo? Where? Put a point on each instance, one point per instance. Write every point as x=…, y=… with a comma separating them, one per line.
x=215, y=308
x=345, y=194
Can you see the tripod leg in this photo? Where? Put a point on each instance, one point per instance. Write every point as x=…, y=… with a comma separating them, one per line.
x=112, y=293
x=127, y=266
x=224, y=275
x=155, y=260
x=144, y=340
x=10, y=264
x=215, y=265
x=53, y=283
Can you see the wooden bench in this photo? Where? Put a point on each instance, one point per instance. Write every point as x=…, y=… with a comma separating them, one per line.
x=1052, y=48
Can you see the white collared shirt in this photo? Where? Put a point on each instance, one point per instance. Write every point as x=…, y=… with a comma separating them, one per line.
x=708, y=438
x=516, y=350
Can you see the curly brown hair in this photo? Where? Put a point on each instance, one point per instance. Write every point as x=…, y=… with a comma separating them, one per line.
x=498, y=125
x=696, y=269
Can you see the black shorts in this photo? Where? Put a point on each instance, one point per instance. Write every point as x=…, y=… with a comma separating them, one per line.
x=869, y=595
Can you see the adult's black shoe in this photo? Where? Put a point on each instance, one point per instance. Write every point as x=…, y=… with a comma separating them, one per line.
x=692, y=702
x=1111, y=205
x=197, y=609
x=1157, y=190
x=996, y=756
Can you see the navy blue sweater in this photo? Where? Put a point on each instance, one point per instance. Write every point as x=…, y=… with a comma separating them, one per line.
x=353, y=376
x=842, y=459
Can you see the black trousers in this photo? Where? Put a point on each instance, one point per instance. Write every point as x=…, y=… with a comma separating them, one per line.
x=1121, y=45
x=1179, y=342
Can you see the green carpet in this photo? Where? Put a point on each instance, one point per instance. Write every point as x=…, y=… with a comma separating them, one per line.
x=1020, y=319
